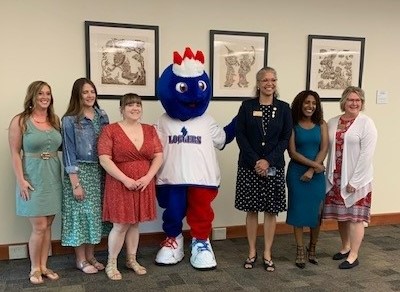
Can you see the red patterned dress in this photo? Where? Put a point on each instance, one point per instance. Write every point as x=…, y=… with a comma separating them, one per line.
x=120, y=204
x=334, y=205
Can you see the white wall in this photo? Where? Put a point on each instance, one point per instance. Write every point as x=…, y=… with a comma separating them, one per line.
x=44, y=40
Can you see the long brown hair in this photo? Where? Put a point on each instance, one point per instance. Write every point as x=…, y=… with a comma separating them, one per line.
x=75, y=107
x=30, y=103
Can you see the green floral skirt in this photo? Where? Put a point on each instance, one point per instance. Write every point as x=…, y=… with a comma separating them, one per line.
x=82, y=220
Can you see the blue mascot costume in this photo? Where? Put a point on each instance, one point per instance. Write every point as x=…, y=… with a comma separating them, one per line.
x=188, y=181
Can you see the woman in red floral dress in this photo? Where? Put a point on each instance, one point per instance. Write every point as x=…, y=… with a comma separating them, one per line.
x=131, y=154
x=352, y=141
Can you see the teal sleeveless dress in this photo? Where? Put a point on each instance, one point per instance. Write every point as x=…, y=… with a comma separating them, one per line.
x=305, y=199
x=44, y=175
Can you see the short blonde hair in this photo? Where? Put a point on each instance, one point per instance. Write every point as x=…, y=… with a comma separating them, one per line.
x=348, y=91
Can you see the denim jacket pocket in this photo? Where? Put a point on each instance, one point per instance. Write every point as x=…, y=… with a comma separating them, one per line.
x=85, y=141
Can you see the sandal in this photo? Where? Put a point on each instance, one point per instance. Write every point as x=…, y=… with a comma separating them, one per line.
x=111, y=270
x=35, y=277
x=300, y=261
x=312, y=256
x=99, y=266
x=87, y=268
x=269, y=265
x=50, y=274
x=250, y=262
x=131, y=263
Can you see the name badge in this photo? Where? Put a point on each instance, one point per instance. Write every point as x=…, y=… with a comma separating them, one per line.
x=257, y=113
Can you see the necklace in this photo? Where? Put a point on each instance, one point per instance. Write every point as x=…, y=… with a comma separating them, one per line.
x=269, y=113
x=39, y=122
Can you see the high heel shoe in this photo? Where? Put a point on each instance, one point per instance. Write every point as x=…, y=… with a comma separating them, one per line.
x=250, y=262
x=269, y=265
x=311, y=254
x=300, y=257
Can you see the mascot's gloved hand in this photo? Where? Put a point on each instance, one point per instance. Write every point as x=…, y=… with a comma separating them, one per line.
x=230, y=131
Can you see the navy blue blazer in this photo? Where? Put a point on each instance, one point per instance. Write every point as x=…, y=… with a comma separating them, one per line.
x=254, y=142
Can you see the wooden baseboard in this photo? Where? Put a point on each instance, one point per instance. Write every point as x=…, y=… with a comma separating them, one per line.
x=327, y=225
x=155, y=238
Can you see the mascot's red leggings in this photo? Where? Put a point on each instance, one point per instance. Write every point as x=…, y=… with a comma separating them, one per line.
x=192, y=202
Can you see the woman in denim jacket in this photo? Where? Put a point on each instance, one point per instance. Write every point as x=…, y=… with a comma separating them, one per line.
x=83, y=176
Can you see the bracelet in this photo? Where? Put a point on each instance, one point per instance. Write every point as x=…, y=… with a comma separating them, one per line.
x=77, y=186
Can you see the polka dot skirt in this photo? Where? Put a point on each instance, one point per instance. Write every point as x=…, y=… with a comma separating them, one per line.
x=255, y=193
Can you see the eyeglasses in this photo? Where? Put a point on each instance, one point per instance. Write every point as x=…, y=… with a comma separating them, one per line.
x=354, y=100
x=268, y=80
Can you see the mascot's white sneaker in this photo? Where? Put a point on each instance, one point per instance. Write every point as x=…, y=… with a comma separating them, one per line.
x=171, y=251
x=203, y=257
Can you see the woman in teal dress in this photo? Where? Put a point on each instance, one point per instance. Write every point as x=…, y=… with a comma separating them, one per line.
x=308, y=147
x=83, y=177
x=34, y=138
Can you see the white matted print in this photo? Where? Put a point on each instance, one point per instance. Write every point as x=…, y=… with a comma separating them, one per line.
x=334, y=63
x=235, y=59
x=122, y=58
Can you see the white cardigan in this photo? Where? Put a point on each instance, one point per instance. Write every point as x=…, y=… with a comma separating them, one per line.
x=358, y=150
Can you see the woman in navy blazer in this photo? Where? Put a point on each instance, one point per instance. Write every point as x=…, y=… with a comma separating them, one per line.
x=263, y=130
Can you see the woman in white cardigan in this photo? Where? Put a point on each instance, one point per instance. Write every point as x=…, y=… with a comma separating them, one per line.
x=349, y=173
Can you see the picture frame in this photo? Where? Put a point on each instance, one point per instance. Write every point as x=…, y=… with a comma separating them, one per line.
x=235, y=58
x=122, y=58
x=334, y=63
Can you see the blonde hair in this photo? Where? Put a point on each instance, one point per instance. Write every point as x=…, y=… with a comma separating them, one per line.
x=347, y=92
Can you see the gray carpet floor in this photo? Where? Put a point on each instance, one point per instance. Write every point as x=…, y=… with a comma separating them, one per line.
x=379, y=269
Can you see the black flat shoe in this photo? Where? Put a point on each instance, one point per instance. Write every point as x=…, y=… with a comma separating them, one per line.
x=346, y=265
x=340, y=256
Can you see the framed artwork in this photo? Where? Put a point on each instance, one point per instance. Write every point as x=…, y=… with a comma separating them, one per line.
x=122, y=58
x=334, y=63
x=235, y=58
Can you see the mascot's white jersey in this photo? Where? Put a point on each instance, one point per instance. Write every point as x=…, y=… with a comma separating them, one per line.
x=189, y=148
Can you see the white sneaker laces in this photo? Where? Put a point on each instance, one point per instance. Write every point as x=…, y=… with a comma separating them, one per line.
x=202, y=245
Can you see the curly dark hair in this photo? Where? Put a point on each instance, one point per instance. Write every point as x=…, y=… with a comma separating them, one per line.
x=297, y=107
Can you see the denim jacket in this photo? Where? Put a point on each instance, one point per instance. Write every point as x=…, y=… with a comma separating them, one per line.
x=80, y=140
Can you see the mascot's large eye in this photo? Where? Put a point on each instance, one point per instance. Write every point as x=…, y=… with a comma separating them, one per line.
x=181, y=87
x=202, y=85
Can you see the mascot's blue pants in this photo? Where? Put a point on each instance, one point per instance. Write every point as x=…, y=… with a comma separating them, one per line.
x=189, y=201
